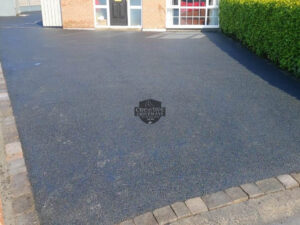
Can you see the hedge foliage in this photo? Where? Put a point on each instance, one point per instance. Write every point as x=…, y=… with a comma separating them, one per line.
x=271, y=28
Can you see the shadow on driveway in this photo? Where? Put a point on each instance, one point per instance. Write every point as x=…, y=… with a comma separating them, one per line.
x=258, y=66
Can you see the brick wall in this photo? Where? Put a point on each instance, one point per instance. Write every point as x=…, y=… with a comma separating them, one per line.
x=80, y=14
x=77, y=13
x=154, y=14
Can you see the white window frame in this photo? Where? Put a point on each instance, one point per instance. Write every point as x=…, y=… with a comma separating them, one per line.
x=169, y=17
x=108, y=15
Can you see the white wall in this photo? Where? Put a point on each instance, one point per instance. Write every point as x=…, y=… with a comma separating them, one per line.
x=8, y=8
x=28, y=5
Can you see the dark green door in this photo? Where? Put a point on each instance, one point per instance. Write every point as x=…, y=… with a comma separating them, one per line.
x=118, y=12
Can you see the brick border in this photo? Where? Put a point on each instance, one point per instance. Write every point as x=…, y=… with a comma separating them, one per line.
x=230, y=196
x=19, y=191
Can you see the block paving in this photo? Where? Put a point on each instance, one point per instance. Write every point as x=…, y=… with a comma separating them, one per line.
x=232, y=201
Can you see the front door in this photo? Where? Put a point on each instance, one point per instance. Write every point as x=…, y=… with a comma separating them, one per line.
x=118, y=12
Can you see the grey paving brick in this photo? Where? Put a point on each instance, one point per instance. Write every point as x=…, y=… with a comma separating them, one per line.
x=4, y=102
x=236, y=194
x=9, y=120
x=10, y=133
x=270, y=185
x=4, y=96
x=29, y=218
x=217, y=200
x=5, y=109
x=164, y=215
x=145, y=219
x=252, y=190
x=196, y=205
x=288, y=181
x=296, y=176
x=127, y=222
x=16, y=163
x=22, y=204
x=185, y=221
x=181, y=210
x=19, y=184
x=14, y=171
x=3, y=88
x=13, y=150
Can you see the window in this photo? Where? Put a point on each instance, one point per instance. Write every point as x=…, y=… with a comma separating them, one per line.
x=101, y=12
x=192, y=13
x=135, y=2
x=135, y=12
x=135, y=17
x=101, y=17
x=100, y=2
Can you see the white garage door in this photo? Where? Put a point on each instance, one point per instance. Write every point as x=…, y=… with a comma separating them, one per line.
x=51, y=12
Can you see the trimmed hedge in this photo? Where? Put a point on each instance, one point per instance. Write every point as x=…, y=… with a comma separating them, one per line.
x=271, y=28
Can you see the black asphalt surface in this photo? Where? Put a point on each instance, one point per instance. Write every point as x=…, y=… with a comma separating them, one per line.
x=231, y=118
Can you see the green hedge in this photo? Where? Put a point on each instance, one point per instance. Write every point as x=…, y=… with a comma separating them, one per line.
x=271, y=28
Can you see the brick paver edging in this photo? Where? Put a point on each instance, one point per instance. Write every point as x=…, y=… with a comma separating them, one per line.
x=230, y=196
x=19, y=192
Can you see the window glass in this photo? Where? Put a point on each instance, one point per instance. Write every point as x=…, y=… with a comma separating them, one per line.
x=101, y=17
x=135, y=2
x=212, y=12
x=192, y=12
x=189, y=20
x=175, y=12
x=175, y=20
x=135, y=17
x=213, y=2
x=212, y=20
x=100, y=2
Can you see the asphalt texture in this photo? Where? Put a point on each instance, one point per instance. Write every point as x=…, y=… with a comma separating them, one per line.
x=231, y=118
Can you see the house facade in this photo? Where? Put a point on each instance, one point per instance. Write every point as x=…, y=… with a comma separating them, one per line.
x=140, y=14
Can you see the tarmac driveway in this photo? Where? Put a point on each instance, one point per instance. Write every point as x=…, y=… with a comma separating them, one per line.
x=231, y=118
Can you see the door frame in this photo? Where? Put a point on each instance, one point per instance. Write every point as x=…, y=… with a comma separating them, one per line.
x=107, y=7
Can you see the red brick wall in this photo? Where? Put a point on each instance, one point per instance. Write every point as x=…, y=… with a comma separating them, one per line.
x=154, y=14
x=77, y=13
x=80, y=14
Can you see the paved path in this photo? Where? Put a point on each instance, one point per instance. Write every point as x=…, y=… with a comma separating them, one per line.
x=282, y=207
x=231, y=118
